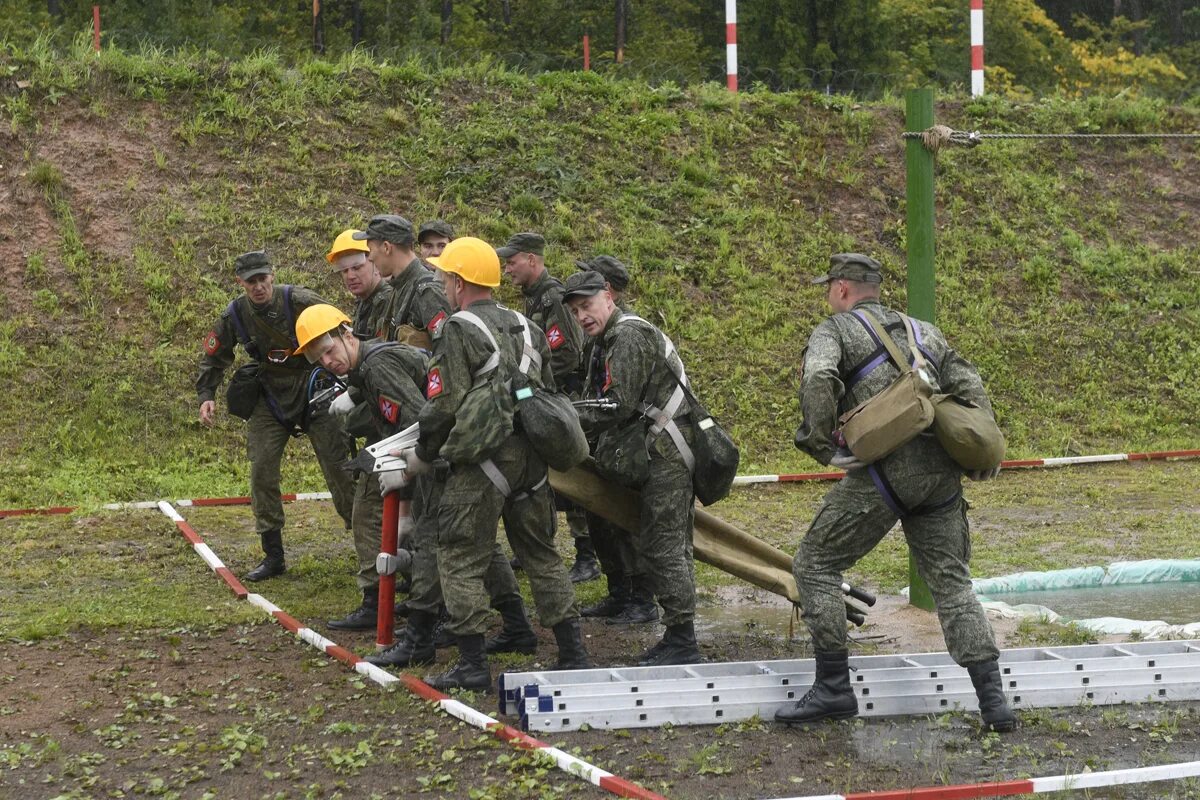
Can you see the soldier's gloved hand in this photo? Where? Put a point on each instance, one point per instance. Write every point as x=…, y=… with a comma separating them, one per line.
x=844, y=459
x=416, y=465
x=392, y=480
x=406, y=527
x=983, y=474
x=342, y=404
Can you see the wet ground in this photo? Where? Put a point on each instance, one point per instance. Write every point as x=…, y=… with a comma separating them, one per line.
x=1173, y=603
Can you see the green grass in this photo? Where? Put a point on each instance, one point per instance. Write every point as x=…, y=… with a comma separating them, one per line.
x=1064, y=270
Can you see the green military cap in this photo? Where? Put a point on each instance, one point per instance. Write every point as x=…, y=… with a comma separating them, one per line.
x=852, y=267
x=523, y=243
x=438, y=226
x=583, y=284
x=247, y=265
x=613, y=271
x=387, y=228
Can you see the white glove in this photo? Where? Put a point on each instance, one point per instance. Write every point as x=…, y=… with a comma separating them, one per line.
x=844, y=459
x=405, y=528
x=983, y=474
x=416, y=466
x=342, y=404
x=392, y=480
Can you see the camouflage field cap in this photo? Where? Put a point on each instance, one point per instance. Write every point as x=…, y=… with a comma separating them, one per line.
x=247, y=265
x=437, y=226
x=523, y=243
x=387, y=228
x=583, y=284
x=852, y=267
x=612, y=269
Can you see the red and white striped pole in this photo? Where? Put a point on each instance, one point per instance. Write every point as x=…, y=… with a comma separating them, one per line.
x=976, y=48
x=731, y=44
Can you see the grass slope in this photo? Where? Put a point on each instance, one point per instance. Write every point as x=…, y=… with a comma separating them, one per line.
x=1066, y=270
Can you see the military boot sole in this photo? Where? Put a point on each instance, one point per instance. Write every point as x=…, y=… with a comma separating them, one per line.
x=418, y=659
x=1007, y=725
x=263, y=571
x=461, y=679
x=367, y=620
x=781, y=717
x=635, y=615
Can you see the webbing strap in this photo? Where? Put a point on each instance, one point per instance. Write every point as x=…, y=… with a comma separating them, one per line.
x=493, y=360
x=501, y=483
x=664, y=418
x=881, y=336
x=529, y=355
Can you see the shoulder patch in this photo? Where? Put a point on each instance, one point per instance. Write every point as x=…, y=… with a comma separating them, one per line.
x=389, y=409
x=433, y=383
x=211, y=343
x=555, y=337
x=607, y=376
x=435, y=324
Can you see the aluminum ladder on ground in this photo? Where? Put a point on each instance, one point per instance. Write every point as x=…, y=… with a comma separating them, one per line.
x=923, y=683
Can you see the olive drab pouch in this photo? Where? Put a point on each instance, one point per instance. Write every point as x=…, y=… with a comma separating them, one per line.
x=407, y=334
x=968, y=432
x=898, y=414
x=622, y=455
x=484, y=421
x=241, y=396
x=547, y=418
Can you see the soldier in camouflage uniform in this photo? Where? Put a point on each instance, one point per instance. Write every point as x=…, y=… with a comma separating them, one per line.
x=494, y=471
x=630, y=598
x=361, y=278
x=416, y=307
x=524, y=264
x=918, y=484
x=265, y=313
x=433, y=236
x=637, y=367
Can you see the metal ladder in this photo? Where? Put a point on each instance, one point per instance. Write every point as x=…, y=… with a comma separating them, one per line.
x=924, y=683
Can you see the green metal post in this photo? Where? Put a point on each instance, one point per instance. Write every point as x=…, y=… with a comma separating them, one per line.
x=919, y=233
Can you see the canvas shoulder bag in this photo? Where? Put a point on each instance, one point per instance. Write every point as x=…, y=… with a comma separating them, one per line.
x=547, y=418
x=895, y=416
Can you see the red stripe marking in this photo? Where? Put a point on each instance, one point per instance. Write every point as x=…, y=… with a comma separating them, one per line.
x=188, y=533
x=965, y=791
x=730, y=33
x=41, y=512
x=976, y=56
x=342, y=654
x=1163, y=454
x=623, y=788
x=221, y=501
x=234, y=583
x=519, y=738
x=423, y=689
x=1032, y=462
x=976, y=5
x=287, y=621
x=812, y=476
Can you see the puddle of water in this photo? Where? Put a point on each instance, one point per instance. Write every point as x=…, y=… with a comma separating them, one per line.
x=767, y=620
x=1174, y=603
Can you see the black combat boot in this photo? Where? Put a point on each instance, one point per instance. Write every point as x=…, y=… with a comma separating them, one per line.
x=363, y=618
x=641, y=608
x=614, y=603
x=414, y=645
x=989, y=688
x=442, y=637
x=272, y=565
x=516, y=636
x=678, y=646
x=571, y=653
x=831, y=696
x=586, y=566
x=471, y=671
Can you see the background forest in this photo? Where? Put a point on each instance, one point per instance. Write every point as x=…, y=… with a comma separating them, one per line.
x=865, y=47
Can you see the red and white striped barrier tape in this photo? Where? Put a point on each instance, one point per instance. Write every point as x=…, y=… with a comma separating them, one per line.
x=741, y=480
x=563, y=760
x=1056, y=783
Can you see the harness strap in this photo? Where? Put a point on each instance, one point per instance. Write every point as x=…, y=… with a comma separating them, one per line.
x=494, y=359
x=664, y=419
x=501, y=483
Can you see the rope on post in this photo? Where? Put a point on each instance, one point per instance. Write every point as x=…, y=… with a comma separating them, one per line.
x=938, y=136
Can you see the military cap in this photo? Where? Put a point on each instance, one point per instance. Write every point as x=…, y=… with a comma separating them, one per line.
x=247, y=265
x=852, y=267
x=387, y=228
x=522, y=243
x=613, y=271
x=583, y=284
x=438, y=226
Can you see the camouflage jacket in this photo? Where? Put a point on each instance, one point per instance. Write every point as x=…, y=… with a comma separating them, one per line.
x=417, y=301
x=844, y=365
x=272, y=337
x=544, y=307
x=370, y=313
x=459, y=351
x=629, y=365
x=391, y=378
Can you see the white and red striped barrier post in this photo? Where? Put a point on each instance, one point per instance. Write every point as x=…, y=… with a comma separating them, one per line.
x=731, y=45
x=976, y=48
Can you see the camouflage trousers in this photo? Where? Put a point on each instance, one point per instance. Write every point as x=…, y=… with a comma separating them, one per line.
x=266, y=440
x=498, y=580
x=470, y=508
x=853, y=517
x=615, y=550
x=663, y=547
